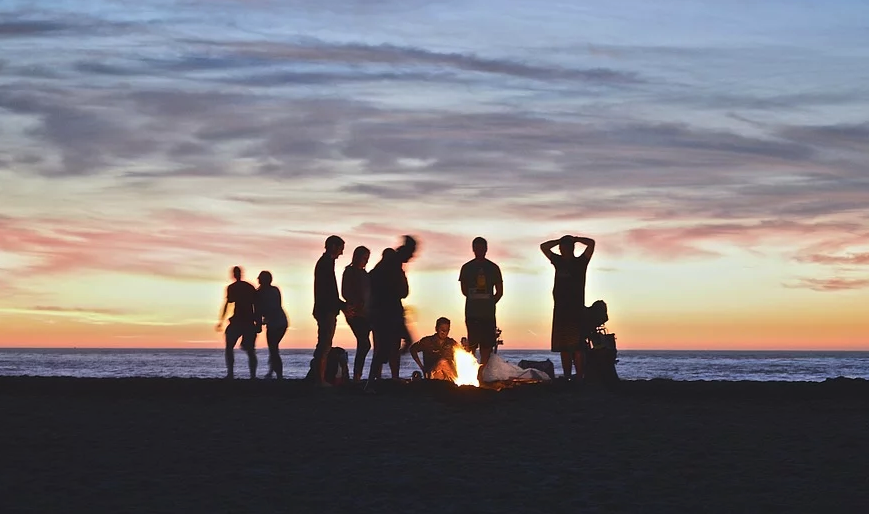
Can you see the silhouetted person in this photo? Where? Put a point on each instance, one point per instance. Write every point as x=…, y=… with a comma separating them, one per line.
x=269, y=306
x=569, y=324
x=437, y=352
x=482, y=286
x=327, y=304
x=356, y=290
x=388, y=287
x=244, y=322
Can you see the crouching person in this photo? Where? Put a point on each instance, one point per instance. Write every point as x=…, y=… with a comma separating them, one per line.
x=437, y=352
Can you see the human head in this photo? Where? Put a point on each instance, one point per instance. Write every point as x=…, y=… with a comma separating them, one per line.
x=566, y=245
x=334, y=246
x=480, y=247
x=405, y=252
x=236, y=272
x=442, y=328
x=360, y=257
x=265, y=278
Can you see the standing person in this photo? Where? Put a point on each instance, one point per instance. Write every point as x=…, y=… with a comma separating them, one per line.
x=327, y=305
x=483, y=287
x=569, y=325
x=356, y=290
x=244, y=322
x=388, y=288
x=269, y=306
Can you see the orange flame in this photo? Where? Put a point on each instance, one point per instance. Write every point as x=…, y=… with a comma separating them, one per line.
x=467, y=367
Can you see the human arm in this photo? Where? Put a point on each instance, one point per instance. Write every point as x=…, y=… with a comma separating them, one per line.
x=589, y=246
x=499, y=285
x=547, y=247
x=414, y=352
x=257, y=314
x=219, y=325
x=351, y=291
x=463, y=284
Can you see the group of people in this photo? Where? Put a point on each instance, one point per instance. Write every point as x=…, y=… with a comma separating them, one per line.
x=372, y=306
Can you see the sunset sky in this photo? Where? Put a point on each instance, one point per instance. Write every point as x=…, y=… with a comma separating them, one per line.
x=718, y=152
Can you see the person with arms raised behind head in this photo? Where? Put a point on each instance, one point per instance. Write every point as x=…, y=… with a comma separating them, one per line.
x=569, y=323
x=327, y=305
x=356, y=290
x=274, y=318
x=483, y=287
x=244, y=322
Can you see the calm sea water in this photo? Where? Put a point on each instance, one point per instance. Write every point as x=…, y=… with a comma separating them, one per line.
x=633, y=364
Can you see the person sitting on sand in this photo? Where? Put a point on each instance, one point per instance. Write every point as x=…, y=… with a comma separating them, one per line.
x=244, y=322
x=437, y=352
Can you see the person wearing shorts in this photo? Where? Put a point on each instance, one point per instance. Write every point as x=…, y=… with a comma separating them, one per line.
x=243, y=324
x=483, y=287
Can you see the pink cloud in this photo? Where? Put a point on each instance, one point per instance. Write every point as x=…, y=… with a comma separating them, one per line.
x=686, y=240
x=830, y=284
x=854, y=259
x=170, y=243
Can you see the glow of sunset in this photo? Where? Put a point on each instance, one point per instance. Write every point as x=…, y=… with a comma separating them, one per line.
x=719, y=161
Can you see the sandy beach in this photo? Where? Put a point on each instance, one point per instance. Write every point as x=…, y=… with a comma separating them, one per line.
x=187, y=445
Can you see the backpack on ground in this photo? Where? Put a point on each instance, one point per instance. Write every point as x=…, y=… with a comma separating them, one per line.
x=544, y=366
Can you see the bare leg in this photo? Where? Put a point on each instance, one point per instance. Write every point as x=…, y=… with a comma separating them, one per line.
x=394, y=363
x=321, y=368
x=579, y=362
x=251, y=362
x=228, y=353
x=485, y=353
x=566, y=363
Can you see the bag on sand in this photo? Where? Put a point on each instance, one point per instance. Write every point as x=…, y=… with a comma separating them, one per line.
x=337, y=371
x=544, y=366
x=602, y=358
x=499, y=370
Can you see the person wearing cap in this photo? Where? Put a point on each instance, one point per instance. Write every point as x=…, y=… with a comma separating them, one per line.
x=269, y=306
x=569, y=323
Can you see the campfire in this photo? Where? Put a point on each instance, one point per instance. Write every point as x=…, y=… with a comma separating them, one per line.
x=466, y=367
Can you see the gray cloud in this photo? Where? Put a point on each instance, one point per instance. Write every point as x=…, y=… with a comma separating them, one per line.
x=25, y=28
x=356, y=54
x=21, y=25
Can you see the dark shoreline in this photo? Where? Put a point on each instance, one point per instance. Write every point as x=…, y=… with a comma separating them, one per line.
x=833, y=387
x=211, y=445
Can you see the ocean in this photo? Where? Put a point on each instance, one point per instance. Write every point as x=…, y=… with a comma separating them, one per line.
x=632, y=365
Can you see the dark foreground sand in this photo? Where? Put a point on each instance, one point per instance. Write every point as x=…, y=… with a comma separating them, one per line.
x=164, y=445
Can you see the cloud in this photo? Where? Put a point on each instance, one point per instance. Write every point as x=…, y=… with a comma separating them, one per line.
x=829, y=284
x=25, y=28
x=21, y=25
x=170, y=243
x=854, y=259
x=313, y=51
x=687, y=241
x=849, y=136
